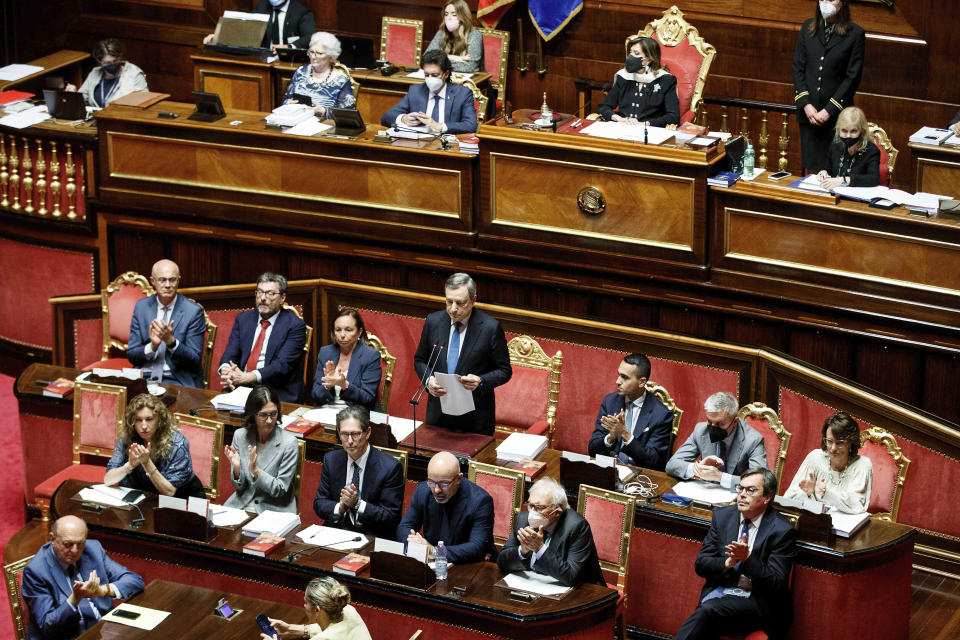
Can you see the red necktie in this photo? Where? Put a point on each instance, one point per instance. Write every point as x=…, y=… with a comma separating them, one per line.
x=254, y=356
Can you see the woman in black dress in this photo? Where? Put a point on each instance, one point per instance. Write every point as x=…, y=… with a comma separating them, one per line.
x=643, y=91
x=826, y=73
x=853, y=159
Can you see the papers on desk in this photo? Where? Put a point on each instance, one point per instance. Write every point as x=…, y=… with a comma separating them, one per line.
x=110, y=496
x=288, y=115
x=17, y=71
x=401, y=427
x=810, y=183
x=952, y=140
x=27, y=118
x=810, y=505
x=417, y=74
x=331, y=538
x=706, y=492
x=631, y=132
x=309, y=127
x=323, y=415
x=236, y=400
x=457, y=400
x=421, y=132
x=930, y=135
x=388, y=546
x=127, y=373
x=278, y=523
x=847, y=524
x=756, y=174
x=538, y=583
x=242, y=15
x=921, y=201
x=520, y=446
x=222, y=516
x=147, y=620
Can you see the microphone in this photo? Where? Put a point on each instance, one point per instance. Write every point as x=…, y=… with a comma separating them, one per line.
x=415, y=400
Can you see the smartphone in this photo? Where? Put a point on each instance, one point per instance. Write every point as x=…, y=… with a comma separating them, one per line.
x=265, y=625
x=126, y=613
x=225, y=610
x=779, y=175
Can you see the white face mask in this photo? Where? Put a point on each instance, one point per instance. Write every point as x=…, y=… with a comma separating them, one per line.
x=434, y=84
x=452, y=23
x=536, y=519
x=827, y=10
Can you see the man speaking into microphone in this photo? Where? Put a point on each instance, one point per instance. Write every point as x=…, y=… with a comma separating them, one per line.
x=466, y=342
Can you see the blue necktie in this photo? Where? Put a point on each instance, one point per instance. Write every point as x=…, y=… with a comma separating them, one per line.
x=435, y=114
x=453, y=353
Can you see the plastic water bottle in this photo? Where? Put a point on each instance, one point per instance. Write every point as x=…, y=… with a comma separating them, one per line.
x=440, y=564
x=748, y=161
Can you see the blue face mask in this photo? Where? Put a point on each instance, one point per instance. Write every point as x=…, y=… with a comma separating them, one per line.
x=277, y=3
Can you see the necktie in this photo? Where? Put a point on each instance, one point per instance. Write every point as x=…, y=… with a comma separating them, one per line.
x=722, y=454
x=258, y=346
x=744, y=531
x=156, y=371
x=275, y=28
x=435, y=114
x=628, y=422
x=453, y=353
x=355, y=481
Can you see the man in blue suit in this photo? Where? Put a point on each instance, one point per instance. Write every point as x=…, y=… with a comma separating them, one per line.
x=70, y=583
x=266, y=343
x=166, y=331
x=450, y=508
x=361, y=487
x=441, y=106
x=632, y=424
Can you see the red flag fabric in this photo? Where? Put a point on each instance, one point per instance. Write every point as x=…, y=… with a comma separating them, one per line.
x=489, y=12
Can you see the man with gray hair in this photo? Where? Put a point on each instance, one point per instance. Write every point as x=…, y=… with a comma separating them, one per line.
x=266, y=343
x=467, y=342
x=553, y=539
x=720, y=449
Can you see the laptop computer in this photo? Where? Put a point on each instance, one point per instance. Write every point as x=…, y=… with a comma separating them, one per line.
x=348, y=122
x=357, y=53
x=65, y=105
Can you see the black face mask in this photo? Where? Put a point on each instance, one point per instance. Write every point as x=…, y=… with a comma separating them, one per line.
x=111, y=68
x=850, y=142
x=716, y=433
x=634, y=64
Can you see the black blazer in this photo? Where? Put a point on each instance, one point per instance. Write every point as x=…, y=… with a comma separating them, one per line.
x=863, y=170
x=650, y=446
x=769, y=564
x=381, y=487
x=827, y=75
x=571, y=557
x=299, y=22
x=483, y=353
x=656, y=102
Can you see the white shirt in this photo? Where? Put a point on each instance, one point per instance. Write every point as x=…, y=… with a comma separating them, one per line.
x=440, y=95
x=636, y=404
x=351, y=463
x=148, y=349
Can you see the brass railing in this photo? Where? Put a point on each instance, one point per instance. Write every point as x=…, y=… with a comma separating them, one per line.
x=43, y=175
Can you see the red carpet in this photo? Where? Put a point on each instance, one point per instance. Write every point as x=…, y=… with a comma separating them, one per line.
x=12, y=512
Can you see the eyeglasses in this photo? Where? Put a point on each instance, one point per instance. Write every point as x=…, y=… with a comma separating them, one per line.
x=750, y=491
x=353, y=435
x=540, y=508
x=268, y=415
x=266, y=294
x=316, y=54
x=171, y=280
x=433, y=484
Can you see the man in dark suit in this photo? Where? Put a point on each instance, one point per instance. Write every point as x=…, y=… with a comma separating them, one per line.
x=266, y=343
x=361, y=487
x=450, y=508
x=166, y=331
x=441, y=106
x=553, y=539
x=746, y=560
x=291, y=24
x=70, y=583
x=632, y=424
x=469, y=343
x=720, y=449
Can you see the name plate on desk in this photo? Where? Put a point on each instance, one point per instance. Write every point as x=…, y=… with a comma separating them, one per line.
x=393, y=567
x=183, y=524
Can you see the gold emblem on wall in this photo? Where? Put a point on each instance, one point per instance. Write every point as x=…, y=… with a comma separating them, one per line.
x=591, y=201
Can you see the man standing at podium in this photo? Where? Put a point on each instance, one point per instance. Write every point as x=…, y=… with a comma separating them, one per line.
x=467, y=342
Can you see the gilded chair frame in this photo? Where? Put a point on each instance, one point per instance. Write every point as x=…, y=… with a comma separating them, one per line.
x=400, y=456
x=527, y=352
x=760, y=411
x=298, y=475
x=663, y=396
x=671, y=29
x=390, y=363
x=354, y=85
x=519, y=481
x=886, y=439
x=208, y=341
x=481, y=99
x=216, y=426
x=93, y=387
x=386, y=21
x=878, y=135
x=501, y=84
x=306, y=344
x=129, y=278
x=14, y=596
x=629, y=507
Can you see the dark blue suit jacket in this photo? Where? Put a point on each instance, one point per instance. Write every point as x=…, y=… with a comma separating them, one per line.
x=381, y=487
x=470, y=517
x=363, y=375
x=650, y=446
x=483, y=353
x=189, y=327
x=460, y=114
x=45, y=590
x=299, y=23
x=283, y=364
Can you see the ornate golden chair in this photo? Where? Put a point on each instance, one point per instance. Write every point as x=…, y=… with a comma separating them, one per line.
x=306, y=346
x=401, y=40
x=889, y=472
x=206, y=441
x=888, y=152
x=400, y=456
x=354, y=85
x=496, y=54
x=505, y=486
x=116, y=308
x=528, y=402
x=208, y=341
x=298, y=475
x=479, y=100
x=768, y=424
x=13, y=573
x=389, y=364
x=664, y=397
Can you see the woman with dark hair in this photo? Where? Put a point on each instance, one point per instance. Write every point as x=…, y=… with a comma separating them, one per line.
x=113, y=77
x=643, y=92
x=853, y=159
x=827, y=65
x=329, y=613
x=457, y=38
x=263, y=458
x=349, y=369
x=151, y=454
x=834, y=474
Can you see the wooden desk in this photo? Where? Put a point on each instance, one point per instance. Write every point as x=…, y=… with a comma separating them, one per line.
x=65, y=59
x=938, y=168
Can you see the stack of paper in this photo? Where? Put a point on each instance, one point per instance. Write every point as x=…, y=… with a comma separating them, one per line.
x=278, y=523
x=518, y=446
x=288, y=115
x=534, y=582
x=222, y=516
x=707, y=492
x=17, y=71
x=847, y=524
x=236, y=400
x=331, y=538
x=930, y=135
x=632, y=132
x=110, y=496
x=810, y=183
x=127, y=372
x=928, y=203
x=402, y=427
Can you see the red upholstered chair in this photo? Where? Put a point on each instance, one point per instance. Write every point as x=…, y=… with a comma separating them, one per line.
x=685, y=53
x=664, y=397
x=888, y=153
x=116, y=307
x=776, y=438
x=401, y=40
x=496, y=52
x=610, y=515
x=889, y=472
x=97, y=418
x=206, y=441
x=528, y=402
x=505, y=486
x=480, y=101
x=13, y=573
x=389, y=364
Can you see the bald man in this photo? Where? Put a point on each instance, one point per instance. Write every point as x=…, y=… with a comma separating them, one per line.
x=166, y=331
x=450, y=508
x=70, y=583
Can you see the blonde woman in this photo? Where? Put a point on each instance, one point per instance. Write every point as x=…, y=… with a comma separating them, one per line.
x=853, y=159
x=330, y=616
x=458, y=39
